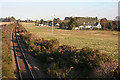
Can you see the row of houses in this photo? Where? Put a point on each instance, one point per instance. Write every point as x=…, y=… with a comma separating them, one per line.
x=49, y=24
x=82, y=22
x=80, y=27
x=88, y=25
x=86, y=22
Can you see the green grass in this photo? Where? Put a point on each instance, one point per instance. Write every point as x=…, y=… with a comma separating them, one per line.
x=104, y=41
x=7, y=66
x=0, y=54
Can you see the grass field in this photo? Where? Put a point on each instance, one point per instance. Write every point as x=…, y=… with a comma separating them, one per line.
x=104, y=41
x=0, y=54
x=7, y=66
x=2, y=23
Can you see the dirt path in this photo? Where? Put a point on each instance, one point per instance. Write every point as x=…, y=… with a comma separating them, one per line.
x=13, y=58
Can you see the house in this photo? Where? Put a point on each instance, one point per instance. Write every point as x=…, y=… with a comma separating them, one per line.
x=54, y=24
x=57, y=24
x=99, y=26
x=82, y=18
x=41, y=25
x=76, y=28
x=117, y=18
x=90, y=25
x=50, y=23
x=81, y=27
x=45, y=23
x=67, y=18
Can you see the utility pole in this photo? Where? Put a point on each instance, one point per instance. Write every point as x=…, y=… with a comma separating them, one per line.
x=52, y=22
x=26, y=22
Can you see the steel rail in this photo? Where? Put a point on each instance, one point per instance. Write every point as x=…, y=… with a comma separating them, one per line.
x=24, y=57
x=16, y=60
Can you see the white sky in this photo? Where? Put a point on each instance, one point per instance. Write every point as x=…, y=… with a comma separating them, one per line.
x=44, y=9
x=59, y=0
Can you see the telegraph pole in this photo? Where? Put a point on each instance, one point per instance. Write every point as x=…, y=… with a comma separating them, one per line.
x=52, y=23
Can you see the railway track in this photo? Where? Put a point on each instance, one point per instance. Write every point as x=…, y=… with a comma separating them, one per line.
x=23, y=69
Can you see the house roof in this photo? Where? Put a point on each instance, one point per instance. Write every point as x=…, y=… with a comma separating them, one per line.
x=88, y=24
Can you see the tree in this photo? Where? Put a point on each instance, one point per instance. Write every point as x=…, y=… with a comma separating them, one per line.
x=96, y=18
x=41, y=21
x=72, y=24
x=36, y=21
x=104, y=23
x=115, y=25
x=12, y=19
x=56, y=20
x=118, y=23
x=109, y=27
x=62, y=25
x=96, y=23
x=19, y=20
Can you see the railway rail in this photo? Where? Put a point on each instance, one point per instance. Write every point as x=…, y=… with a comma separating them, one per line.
x=23, y=69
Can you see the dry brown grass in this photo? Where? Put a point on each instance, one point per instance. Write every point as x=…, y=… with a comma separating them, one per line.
x=104, y=41
x=2, y=23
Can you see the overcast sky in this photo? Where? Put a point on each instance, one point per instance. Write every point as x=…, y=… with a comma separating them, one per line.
x=34, y=9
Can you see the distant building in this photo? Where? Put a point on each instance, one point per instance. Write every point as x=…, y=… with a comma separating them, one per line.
x=50, y=23
x=45, y=23
x=117, y=18
x=81, y=18
x=88, y=25
x=41, y=25
x=67, y=18
x=57, y=24
x=76, y=28
x=81, y=27
x=99, y=26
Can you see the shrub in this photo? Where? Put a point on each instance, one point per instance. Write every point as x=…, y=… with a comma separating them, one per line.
x=63, y=61
x=26, y=38
x=64, y=49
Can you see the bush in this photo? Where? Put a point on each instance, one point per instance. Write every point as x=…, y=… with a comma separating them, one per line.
x=26, y=38
x=63, y=61
x=64, y=49
x=116, y=73
x=95, y=28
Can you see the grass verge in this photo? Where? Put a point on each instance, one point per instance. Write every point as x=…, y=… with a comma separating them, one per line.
x=7, y=68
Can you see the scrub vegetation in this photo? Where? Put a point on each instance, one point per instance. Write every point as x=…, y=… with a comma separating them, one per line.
x=7, y=66
x=66, y=61
x=104, y=41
